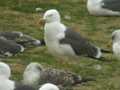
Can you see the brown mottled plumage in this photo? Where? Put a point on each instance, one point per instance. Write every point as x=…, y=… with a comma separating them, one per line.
x=36, y=74
x=58, y=77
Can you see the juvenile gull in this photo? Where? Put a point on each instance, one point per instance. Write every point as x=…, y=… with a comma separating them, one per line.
x=104, y=7
x=63, y=41
x=35, y=75
x=6, y=83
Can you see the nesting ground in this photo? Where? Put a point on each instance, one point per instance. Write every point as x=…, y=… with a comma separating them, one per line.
x=20, y=15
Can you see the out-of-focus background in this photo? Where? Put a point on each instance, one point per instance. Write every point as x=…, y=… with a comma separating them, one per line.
x=20, y=15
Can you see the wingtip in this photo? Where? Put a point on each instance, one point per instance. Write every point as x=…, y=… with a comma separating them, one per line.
x=8, y=54
x=37, y=42
x=21, y=34
x=22, y=49
x=85, y=80
x=99, y=53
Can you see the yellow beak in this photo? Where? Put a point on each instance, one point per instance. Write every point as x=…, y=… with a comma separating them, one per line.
x=41, y=22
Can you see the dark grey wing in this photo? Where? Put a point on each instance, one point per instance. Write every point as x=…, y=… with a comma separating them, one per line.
x=11, y=35
x=79, y=44
x=28, y=41
x=113, y=5
x=42, y=42
x=9, y=46
x=20, y=86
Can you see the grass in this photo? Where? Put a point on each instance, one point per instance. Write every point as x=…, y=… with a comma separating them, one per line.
x=20, y=15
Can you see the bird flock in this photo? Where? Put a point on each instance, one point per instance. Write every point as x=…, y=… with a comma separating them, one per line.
x=61, y=41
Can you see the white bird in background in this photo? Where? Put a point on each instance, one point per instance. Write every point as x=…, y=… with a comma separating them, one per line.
x=63, y=41
x=104, y=7
x=49, y=86
x=35, y=75
x=6, y=83
x=116, y=43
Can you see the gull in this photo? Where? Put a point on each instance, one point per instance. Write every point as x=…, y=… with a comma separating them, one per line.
x=9, y=47
x=35, y=75
x=6, y=83
x=104, y=7
x=62, y=41
x=116, y=43
x=22, y=39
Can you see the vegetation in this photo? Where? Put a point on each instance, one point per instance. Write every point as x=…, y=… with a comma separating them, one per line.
x=20, y=15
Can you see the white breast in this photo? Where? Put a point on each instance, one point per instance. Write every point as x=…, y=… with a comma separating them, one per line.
x=54, y=32
x=116, y=49
x=31, y=78
x=6, y=85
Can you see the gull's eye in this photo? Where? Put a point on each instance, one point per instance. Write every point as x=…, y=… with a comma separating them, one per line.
x=39, y=68
x=50, y=15
x=113, y=37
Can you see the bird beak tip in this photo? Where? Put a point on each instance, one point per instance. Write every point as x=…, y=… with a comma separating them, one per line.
x=41, y=22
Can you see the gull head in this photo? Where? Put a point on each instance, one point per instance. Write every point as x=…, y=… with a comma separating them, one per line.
x=34, y=66
x=31, y=74
x=49, y=86
x=5, y=70
x=51, y=15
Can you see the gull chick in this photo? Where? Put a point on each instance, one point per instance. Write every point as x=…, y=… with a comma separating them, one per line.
x=35, y=75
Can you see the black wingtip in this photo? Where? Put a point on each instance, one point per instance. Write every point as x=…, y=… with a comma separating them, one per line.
x=84, y=80
x=79, y=80
x=104, y=59
x=106, y=51
x=42, y=42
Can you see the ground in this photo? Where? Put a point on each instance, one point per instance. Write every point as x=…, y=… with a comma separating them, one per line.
x=20, y=15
